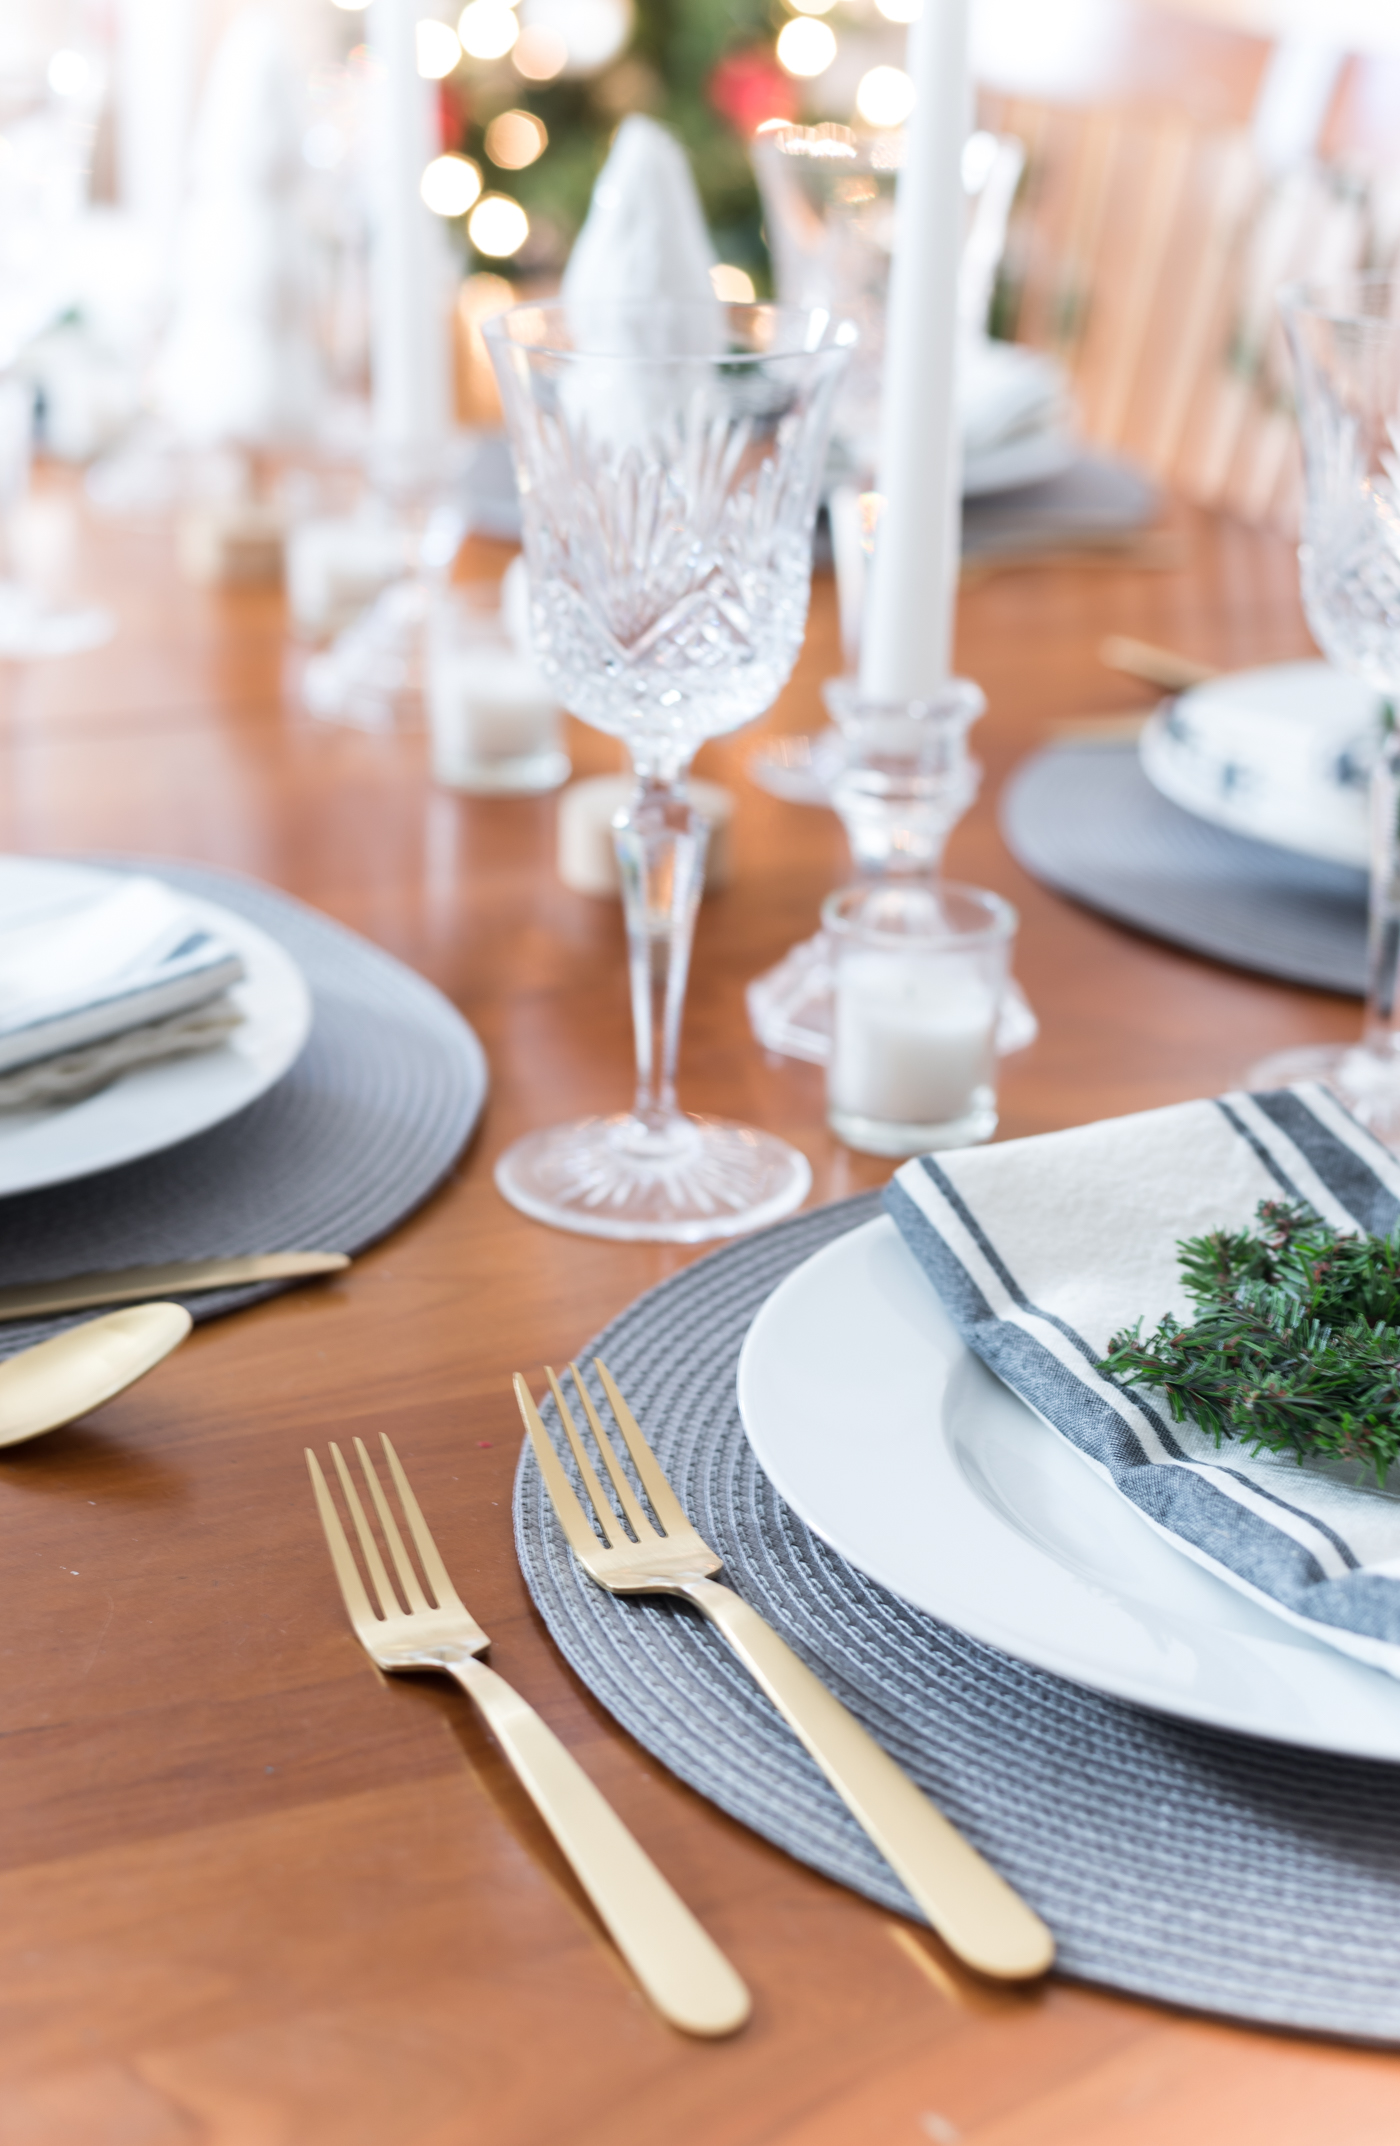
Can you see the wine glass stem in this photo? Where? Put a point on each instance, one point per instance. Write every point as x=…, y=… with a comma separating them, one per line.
x=1382, y=1033
x=660, y=842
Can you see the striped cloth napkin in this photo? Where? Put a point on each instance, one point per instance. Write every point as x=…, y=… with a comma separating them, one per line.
x=1042, y=1249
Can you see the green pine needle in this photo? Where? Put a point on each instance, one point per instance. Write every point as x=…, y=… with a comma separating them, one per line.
x=1296, y=1343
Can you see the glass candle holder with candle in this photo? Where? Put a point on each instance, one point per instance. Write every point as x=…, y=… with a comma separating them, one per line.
x=920, y=973
x=493, y=723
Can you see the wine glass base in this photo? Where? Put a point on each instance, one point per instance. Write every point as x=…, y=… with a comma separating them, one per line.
x=689, y=1181
x=1365, y=1082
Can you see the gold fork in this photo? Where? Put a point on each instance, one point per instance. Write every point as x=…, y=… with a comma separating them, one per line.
x=681, y=1969
x=973, y=1909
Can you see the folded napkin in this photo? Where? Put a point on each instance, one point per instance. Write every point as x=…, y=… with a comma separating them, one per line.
x=1043, y=1249
x=103, y=967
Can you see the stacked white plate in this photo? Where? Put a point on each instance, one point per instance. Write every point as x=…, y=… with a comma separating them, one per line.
x=901, y=1449
x=1282, y=754
x=151, y=1107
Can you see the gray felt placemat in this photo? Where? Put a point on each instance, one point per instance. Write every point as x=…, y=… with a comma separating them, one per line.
x=1086, y=820
x=1176, y=1862
x=367, y=1122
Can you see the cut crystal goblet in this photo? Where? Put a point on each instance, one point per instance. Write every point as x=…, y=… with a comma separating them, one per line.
x=1345, y=342
x=668, y=457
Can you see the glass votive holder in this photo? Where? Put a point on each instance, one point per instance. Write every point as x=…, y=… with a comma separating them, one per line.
x=493, y=723
x=920, y=972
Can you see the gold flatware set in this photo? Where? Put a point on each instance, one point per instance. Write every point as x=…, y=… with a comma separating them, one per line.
x=633, y=1537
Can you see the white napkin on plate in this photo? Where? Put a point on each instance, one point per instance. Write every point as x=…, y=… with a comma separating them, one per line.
x=73, y=977
x=1043, y=1249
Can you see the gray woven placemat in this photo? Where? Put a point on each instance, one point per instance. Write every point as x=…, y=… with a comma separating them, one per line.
x=1176, y=1862
x=367, y=1122
x=1085, y=819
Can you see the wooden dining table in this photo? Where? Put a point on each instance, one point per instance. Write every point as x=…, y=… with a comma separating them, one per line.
x=255, y=1894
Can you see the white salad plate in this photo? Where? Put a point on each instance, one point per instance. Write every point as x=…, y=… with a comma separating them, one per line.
x=902, y=1450
x=151, y=1107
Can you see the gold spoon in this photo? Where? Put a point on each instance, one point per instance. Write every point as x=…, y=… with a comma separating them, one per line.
x=58, y=1380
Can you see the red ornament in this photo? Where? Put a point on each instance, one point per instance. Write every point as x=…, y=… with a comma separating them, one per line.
x=748, y=87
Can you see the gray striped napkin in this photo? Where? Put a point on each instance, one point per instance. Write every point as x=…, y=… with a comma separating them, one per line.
x=1042, y=1249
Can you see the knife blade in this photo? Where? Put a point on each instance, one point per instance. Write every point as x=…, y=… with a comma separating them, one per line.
x=126, y=1285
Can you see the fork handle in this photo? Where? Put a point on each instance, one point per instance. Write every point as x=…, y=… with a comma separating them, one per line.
x=678, y=1964
x=973, y=1909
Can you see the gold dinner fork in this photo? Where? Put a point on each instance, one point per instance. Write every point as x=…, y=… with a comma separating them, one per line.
x=974, y=1910
x=680, y=1967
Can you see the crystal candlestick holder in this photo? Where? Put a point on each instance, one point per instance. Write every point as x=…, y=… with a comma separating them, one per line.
x=902, y=781
x=373, y=675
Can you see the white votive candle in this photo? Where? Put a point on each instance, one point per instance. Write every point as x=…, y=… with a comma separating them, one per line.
x=920, y=973
x=913, y=1045
x=493, y=722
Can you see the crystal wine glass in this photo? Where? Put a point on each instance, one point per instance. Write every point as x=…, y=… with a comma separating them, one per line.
x=669, y=457
x=1345, y=342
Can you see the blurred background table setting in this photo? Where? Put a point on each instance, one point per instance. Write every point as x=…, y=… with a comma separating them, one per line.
x=660, y=712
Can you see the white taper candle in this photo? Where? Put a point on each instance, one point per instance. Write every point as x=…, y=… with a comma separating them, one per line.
x=410, y=272
x=906, y=643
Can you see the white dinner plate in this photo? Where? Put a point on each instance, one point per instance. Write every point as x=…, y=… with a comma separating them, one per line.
x=898, y=1446
x=151, y=1107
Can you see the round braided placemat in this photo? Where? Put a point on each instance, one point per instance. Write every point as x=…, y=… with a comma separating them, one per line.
x=1173, y=1861
x=1086, y=820
x=367, y=1122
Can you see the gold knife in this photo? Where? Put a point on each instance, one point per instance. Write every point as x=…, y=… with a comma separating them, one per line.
x=77, y=1292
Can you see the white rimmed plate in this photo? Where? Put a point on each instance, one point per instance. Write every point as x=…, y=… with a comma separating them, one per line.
x=151, y=1107
x=898, y=1446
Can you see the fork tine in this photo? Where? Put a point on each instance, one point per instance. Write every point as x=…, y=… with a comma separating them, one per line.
x=423, y=1543
x=352, y=1587
x=583, y=1541
x=379, y=1578
x=627, y=1496
x=598, y=1497
x=664, y=1502
x=403, y=1565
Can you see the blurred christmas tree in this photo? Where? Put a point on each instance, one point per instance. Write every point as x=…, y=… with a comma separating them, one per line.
x=704, y=68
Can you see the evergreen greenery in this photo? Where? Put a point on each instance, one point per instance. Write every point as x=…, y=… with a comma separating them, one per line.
x=1296, y=1344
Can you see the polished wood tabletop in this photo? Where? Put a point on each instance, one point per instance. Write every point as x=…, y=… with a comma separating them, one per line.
x=252, y=1893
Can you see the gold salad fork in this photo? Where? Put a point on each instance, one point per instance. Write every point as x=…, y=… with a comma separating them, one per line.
x=974, y=1910
x=680, y=1967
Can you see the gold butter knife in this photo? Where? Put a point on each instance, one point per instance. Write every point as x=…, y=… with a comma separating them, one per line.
x=128, y=1285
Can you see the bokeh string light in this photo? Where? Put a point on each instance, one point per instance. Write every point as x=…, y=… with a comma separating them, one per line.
x=438, y=49
x=806, y=47
x=487, y=29
x=450, y=185
x=540, y=54
x=514, y=140
x=885, y=97
x=498, y=227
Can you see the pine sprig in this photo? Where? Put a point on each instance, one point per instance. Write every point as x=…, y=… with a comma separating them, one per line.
x=1296, y=1343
